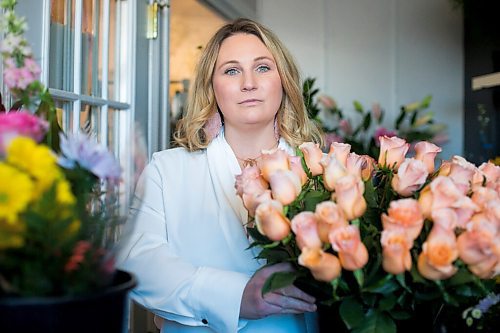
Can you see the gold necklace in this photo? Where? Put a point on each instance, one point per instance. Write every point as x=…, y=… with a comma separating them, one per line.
x=251, y=161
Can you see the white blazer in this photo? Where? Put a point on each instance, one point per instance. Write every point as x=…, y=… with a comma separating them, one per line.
x=188, y=248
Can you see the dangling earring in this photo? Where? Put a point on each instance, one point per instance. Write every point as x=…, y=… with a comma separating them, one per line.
x=276, y=129
x=212, y=126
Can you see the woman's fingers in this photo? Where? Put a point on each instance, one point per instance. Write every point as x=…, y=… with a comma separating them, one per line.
x=288, y=304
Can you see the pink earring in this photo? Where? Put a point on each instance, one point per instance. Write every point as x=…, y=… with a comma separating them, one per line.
x=212, y=126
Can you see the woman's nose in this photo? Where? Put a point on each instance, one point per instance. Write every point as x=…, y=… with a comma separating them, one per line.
x=248, y=82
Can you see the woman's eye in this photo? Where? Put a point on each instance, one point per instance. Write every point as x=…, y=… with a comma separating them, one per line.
x=231, y=71
x=263, y=68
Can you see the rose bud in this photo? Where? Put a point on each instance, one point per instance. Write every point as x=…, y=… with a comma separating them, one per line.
x=405, y=214
x=352, y=252
x=333, y=171
x=323, y=266
x=349, y=196
x=285, y=186
x=438, y=254
x=392, y=151
x=273, y=160
x=426, y=152
x=329, y=216
x=305, y=227
x=340, y=151
x=270, y=220
x=396, y=251
x=312, y=155
x=411, y=175
x=296, y=167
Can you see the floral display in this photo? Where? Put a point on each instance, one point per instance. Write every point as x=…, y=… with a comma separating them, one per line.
x=379, y=239
x=363, y=129
x=58, y=192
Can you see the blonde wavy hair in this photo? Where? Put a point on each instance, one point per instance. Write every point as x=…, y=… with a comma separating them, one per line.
x=292, y=120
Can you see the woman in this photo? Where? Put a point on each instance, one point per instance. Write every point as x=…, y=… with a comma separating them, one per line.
x=189, y=246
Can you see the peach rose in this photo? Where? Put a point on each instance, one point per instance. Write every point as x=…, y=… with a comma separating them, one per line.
x=492, y=211
x=438, y=254
x=323, y=266
x=477, y=248
x=273, y=160
x=305, y=227
x=411, y=175
x=425, y=201
x=250, y=178
x=368, y=167
x=444, y=192
x=404, y=214
x=396, y=251
x=483, y=195
x=392, y=151
x=491, y=172
x=446, y=218
x=329, y=216
x=333, y=171
x=349, y=196
x=296, y=167
x=462, y=172
x=285, y=186
x=464, y=208
x=270, y=220
x=252, y=200
x=426, y=152
x=312, y=156
x=352, y=252
x=340, y=151
x=354, y=164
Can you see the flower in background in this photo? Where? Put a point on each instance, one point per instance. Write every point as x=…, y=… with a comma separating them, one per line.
x=80, y=150
x=58, y=221
x=363, y=136
x=21, y=123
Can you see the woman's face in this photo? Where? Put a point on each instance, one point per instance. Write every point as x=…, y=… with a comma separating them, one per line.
x=246, y=82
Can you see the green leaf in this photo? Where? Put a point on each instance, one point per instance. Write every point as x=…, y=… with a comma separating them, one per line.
x=351, y=312
x=376, y=322
x=400, y=118
x=367, y=121
x=357, y=106
x=370, y=194
x=385, y=285
x=400, y=315
x=312, y=198
x=278, y=280
x=426, y=102
x=360, y=277
x=387, y=303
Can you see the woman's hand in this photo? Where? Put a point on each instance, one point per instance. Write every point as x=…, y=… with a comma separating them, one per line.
x=289, y=299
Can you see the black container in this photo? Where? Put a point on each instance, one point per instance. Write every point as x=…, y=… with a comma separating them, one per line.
x=102, y=311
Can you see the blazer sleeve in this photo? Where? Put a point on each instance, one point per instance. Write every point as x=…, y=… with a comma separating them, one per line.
x=168, y=285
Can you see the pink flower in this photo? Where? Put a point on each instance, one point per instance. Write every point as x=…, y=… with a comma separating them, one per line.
x=20, y=77
x=21, y=123
x=327, y=102
x=312, y=155
x=352, y=252
x=323, y=266
x=332, y=137
x=329, y=216
x=462, y=172
x=250, y=179
x=439, y=251
x=345, y=126
x=296, y=167
x=340, y=151
x=392, y=151
x=404, y=214
x=376, y=111
x=382, y=131
x=349, y=196
x=285, y=186
x=333, y=171
x=270, y=220
x=426, y=152
x=396, y=251
x=411, y=175
x=305, y=227
x=273, y=160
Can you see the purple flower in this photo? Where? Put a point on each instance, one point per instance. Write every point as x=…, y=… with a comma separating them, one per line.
x=486, y=303
x=88, y=154
x=22, y=123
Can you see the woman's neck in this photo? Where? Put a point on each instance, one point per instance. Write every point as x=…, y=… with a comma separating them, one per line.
x=248, y=146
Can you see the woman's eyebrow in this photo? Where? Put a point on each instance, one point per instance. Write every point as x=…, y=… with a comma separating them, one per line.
x=236, y=62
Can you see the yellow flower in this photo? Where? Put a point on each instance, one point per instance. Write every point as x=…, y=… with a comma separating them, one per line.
x=64, y=195
x=15, y=192
x=37, y=160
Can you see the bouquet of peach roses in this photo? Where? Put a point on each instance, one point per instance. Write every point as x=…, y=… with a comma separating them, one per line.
x=377, y=240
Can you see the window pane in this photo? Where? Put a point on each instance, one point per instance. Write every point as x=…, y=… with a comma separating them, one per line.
x=89, y=120
x=64, y=112
x=112, y=47
x=61, y=44
x=91, y=47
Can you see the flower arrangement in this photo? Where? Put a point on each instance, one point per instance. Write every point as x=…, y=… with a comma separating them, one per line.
x=410, y=124
x=379, y=239
x=58, y=200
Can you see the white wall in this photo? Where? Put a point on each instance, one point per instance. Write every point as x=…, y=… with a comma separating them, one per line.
x=387, y=51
